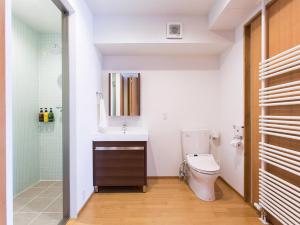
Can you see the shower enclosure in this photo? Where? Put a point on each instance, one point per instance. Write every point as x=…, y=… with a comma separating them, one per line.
x=37, y=115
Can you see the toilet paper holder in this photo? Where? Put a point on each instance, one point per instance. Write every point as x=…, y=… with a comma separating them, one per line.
x=237, y=140
x=238, y=132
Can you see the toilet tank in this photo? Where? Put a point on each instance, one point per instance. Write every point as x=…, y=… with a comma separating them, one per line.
x=195, y=141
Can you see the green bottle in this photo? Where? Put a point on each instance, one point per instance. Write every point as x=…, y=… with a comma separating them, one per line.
x=51, y=116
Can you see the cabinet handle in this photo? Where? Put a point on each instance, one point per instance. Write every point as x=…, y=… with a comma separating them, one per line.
x=119, y=148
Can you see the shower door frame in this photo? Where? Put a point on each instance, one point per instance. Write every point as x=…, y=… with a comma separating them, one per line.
x=3, y=171
x=66, y=10
x=6, y=196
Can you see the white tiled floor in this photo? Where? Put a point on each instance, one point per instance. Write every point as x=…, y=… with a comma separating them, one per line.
x=40, y=205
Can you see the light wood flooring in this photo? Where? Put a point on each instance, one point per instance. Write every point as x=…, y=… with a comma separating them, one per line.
x=167, y=202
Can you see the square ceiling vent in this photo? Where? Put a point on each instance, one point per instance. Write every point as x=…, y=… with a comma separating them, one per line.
x=174, y=30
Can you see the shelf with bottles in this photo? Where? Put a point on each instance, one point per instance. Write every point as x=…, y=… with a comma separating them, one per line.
x=45, y=116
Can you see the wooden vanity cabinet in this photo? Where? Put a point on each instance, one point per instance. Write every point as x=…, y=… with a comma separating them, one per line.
x=119, y=164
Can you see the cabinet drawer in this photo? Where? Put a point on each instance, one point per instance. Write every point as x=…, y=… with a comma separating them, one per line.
x=119, y=181
x=119, y=167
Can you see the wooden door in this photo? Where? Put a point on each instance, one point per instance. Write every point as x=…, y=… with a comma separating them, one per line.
x=2, y=117
x=283, y=34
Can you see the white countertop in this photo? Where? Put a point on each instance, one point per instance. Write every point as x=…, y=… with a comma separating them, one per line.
x=116, y=134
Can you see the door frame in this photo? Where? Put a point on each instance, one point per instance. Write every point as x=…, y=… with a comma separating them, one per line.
x=3, y=196
x=247, y=121
x=66, y=10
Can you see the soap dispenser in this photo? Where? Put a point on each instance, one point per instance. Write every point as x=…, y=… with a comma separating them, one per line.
x=51, y=116
x=41, y=115
x=46, y=116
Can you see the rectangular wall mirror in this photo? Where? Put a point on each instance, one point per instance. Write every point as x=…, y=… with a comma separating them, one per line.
x=124, y=94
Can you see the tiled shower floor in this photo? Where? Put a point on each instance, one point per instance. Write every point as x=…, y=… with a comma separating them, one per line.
x=41, y=204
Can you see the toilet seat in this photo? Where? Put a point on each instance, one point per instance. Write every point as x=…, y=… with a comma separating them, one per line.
x=203, y=163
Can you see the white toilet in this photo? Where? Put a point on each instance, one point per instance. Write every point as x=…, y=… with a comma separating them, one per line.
x=202, y=170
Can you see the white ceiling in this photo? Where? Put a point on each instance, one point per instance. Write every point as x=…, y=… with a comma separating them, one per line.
x=234, y=12
x=150, y=7
x=41, y=15
x=162, y=49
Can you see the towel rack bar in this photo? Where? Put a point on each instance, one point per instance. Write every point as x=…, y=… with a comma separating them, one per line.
x=281, y=191
x=280, y=148
x=263, y=93
x=280, y=55
x=280, y=135
x=284, y=184
x=295, y=169
x=279, y=126
x=279, y=86
x=289, y=205
x=279, y=166
x=280, y=72
x=280, y=99
x=287, y=59
x=281, y=117
x=280, y=68
x=280, y=103
x=277, y=196
x=281, y=160
x=281, y=155
x=290, y=217
x=279, y=95
x=279, y=130
x=292, y=122
x=289, y=155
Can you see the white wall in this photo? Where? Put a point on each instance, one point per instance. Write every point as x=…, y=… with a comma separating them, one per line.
x=160, y=62
x=232, y=112
x=171, y=99
x=85, y=81
x=152, y=29
x=232, y=107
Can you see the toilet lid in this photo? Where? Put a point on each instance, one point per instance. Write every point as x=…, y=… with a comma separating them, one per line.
x=203, y=162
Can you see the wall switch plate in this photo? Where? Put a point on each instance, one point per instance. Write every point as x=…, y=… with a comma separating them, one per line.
x=238, y=130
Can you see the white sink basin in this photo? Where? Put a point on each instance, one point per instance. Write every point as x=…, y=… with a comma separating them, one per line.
x=116, y=134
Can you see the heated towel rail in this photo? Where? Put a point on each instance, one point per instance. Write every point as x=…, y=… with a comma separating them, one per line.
x=277, y=196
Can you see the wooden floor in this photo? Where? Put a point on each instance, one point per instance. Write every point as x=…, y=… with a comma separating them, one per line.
x=167, y=202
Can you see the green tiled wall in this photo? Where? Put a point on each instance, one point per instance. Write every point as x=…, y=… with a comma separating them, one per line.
x=25, y=106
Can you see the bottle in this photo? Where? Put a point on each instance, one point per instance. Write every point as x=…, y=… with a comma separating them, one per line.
x=46, y=116
x=41, y=115
x=51, y=116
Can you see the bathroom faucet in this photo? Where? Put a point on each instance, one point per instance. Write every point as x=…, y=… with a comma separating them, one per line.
x=124, y=127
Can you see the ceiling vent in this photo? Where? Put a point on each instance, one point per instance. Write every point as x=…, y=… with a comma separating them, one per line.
x=174, y=30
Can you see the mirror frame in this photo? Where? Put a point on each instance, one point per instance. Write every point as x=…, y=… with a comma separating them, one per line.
x=138, y=96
